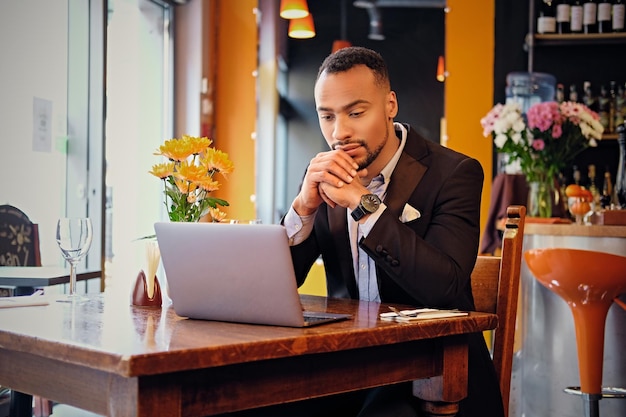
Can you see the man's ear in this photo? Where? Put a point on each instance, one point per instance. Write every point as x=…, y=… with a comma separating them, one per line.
x=392, y=105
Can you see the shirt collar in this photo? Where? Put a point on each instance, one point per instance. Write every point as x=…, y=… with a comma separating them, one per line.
x=391, y=165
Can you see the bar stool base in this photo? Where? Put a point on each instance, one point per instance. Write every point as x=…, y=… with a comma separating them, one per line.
x=607, y=392
x=590, y=401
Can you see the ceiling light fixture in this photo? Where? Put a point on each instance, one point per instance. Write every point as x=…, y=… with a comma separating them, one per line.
x=376, y=21
x=293, y=9
x=302, y=28
x=343, y=42
x=442, y=74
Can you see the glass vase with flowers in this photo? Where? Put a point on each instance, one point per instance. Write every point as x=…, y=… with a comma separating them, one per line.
x=544, y=141
x=188, y=178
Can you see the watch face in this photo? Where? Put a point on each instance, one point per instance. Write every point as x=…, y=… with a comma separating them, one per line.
x=370, y=202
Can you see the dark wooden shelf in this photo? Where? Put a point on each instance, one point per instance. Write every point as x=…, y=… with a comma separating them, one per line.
x=609, y=136
x=579, y=39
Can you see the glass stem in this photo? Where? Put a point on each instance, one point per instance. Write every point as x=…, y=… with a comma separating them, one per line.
x=72, y=278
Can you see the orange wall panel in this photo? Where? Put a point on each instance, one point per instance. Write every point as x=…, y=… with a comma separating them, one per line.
x=235, y=101
x=469, y=86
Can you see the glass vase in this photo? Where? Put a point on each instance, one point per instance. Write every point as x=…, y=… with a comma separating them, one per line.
x=540, y=197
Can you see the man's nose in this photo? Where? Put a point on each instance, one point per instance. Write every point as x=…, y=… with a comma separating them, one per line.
x=342, y=129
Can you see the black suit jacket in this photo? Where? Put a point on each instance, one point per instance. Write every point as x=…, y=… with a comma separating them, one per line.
x=425, y=262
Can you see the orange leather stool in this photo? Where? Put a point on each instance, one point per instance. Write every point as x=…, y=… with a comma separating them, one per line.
x=589, y=282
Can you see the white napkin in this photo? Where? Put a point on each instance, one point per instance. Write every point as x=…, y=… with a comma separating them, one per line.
x=409, y=213
x=153, y=256
x=23, y=301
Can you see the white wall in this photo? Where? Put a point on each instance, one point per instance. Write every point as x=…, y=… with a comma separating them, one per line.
x=33, y=63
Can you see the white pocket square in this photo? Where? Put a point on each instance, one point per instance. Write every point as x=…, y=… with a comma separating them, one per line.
x=409, y=213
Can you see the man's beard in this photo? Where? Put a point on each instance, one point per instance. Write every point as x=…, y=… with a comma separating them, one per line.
x=371, y=155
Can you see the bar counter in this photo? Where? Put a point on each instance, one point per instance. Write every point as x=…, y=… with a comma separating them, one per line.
x=546, y=360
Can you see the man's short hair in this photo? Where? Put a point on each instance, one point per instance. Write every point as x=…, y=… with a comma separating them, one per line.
x=347, y=58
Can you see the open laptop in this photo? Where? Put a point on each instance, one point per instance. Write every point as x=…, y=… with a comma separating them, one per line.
x=233, y=272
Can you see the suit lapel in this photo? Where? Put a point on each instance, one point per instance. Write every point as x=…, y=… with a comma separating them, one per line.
x=408, y=173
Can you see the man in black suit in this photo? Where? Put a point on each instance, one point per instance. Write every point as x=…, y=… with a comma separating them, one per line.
x=394, y=216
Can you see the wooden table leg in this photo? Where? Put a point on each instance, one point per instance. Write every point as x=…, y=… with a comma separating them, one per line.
x=440, y=395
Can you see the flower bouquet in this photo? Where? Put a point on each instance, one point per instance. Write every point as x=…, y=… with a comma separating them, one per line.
x=544, y=141
x=188, y=178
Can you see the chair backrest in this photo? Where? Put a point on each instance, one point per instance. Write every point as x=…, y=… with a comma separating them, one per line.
x=19, y=238
x=495, y=287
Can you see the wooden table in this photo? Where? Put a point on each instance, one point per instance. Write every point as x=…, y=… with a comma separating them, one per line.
x=40, y=276
x=114, y=359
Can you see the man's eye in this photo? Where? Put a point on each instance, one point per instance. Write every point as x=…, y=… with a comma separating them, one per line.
x=326, y=117
x=356, y=113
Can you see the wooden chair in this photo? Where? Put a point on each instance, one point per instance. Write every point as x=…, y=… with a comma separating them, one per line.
x=495, y=286
x=19, y=246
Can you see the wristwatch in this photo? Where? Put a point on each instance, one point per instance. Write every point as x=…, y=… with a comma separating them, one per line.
x=369, y=204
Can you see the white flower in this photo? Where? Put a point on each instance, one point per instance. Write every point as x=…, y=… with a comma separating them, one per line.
x=519, y=125
x=500, y=140
x=516, y=138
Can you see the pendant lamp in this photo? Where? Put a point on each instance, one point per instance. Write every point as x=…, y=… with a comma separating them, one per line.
x=302, y=28
x=441, y=69
x=343, y=42
x=293, y=9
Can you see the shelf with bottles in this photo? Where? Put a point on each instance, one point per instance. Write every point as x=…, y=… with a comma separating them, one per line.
x=576, y=39
x=576, y=22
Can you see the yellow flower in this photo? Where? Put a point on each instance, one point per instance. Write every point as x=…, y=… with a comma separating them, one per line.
x=163, y=170
x=209, y=185
x=184, y=186
x=190, y=172
x=216, y=214
x=197, y=145
x=216, y=160
x=176, y=150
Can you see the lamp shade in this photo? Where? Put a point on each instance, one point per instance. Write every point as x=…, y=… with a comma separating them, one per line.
x=340, y=44
x=293, y=9
x=441, y=69
x=302, y=28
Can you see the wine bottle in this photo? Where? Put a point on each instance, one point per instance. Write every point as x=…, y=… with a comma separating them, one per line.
x=573, y=93
x=604, y=16
x=590, y=16
x=612, y=104
x=588, y=98
x=592, y=187
x=619, y=9
x=546, y=21
x=603, y=108
x=607, y=190
x=576, y=16
x=563, y=12
x=560, y=93
x=576, y=175
x=619, y=106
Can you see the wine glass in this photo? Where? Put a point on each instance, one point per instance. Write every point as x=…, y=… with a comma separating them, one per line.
x=74, y=239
